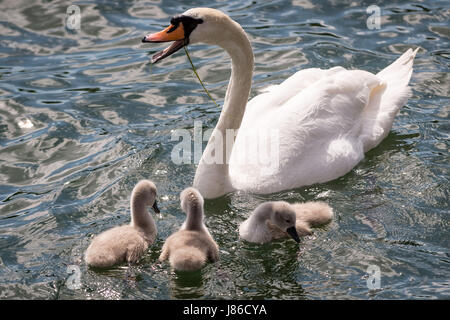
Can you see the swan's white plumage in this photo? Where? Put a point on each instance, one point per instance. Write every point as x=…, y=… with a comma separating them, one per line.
x=318, y=132
x=325, y=120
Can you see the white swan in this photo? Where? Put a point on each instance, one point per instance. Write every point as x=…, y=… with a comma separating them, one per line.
x=129, y=242
x=192, y=246
x=279, y=219
x=324, y=120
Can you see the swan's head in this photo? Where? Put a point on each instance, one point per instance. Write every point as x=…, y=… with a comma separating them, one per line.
x=282, y=215
x=191, y=200
x=197, y=25
x=145, y=192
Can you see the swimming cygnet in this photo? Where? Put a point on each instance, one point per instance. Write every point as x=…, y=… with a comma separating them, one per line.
x=128, y=242
x=279, y=219
x=192, y=246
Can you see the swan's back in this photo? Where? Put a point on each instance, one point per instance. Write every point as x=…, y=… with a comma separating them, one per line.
x=321, y=122
x=316, y=131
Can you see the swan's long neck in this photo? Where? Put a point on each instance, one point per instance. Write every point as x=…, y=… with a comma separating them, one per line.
x=141, y=218
x=212, y=179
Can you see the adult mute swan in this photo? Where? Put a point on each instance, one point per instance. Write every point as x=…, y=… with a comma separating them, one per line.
x=129, y=242
x=315, y=126
x=192, y=246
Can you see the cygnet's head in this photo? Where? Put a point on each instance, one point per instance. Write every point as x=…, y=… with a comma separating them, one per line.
x=145, y=192
x=282, y=215
x=191, y=200
x=197, y=25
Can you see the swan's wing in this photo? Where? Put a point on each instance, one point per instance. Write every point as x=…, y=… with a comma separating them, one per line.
x=318, y=131
x=275, y=96
x=329, y=106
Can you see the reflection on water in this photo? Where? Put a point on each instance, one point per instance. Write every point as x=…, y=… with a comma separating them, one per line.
x=84, y=116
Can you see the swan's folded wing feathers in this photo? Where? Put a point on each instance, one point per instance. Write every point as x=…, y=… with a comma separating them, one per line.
x=337, y=96
x=330, y=107
x=276, y=95
x=329, y=110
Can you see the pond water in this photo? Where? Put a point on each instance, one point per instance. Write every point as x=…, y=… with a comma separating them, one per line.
x=84, y=116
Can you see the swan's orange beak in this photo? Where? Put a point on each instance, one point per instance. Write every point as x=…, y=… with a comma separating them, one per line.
x=171, y=33
x=179, y=31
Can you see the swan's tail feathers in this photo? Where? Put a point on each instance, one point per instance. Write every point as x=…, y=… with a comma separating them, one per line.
x=386, y=99
x=400, y=69
x=187, y=259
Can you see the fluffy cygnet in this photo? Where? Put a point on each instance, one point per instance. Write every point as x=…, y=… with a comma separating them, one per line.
x=279, y=219
x=129, y=242
x=279, y=214
x=308, y=215
x=192, y=246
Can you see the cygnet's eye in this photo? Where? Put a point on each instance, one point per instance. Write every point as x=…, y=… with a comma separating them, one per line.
x=288, y=221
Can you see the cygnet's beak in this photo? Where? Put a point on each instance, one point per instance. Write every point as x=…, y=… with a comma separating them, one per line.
x=293, y=233
x=155, y=207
